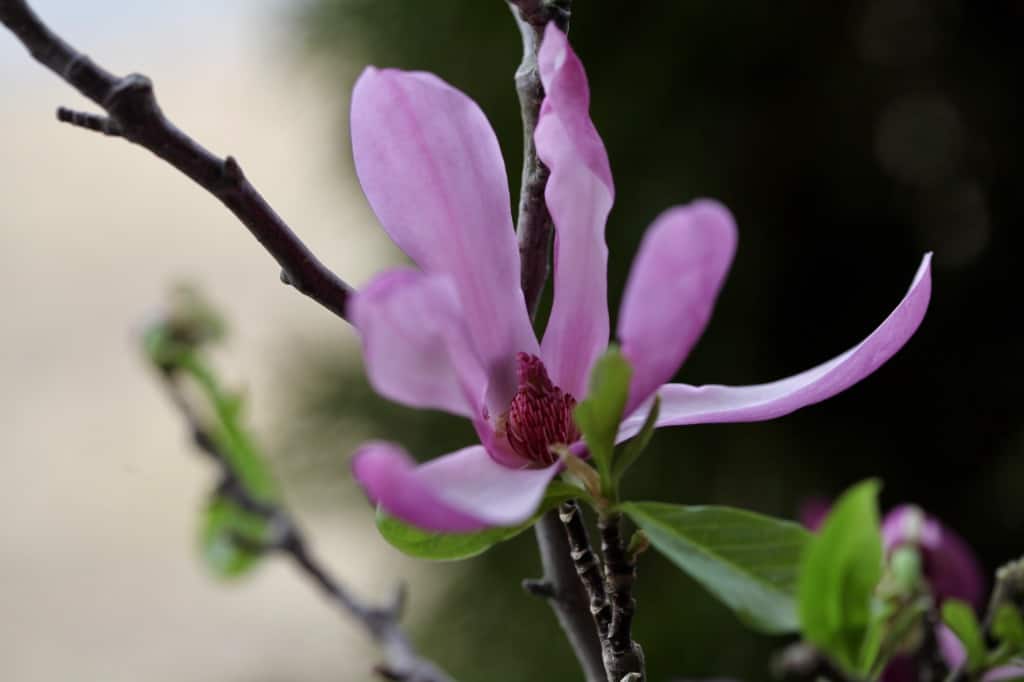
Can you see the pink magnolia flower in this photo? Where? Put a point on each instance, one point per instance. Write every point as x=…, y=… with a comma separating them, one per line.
x=948, y=563
x=454, y=334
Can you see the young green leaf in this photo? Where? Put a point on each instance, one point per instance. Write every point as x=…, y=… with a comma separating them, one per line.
x=960, y=618
x=1008, y=626
x=747, y=560
x=231, y=538
x=599, y=415
x=628, y=453
x=839, y=572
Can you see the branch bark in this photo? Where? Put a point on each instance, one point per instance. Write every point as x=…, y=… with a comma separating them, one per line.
x=567, y=597
x=534, y=225
x=381, y=623
x=133, y=113
x=622, y=656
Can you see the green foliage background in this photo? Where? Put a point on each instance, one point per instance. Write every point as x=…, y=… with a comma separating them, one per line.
x=796, y=116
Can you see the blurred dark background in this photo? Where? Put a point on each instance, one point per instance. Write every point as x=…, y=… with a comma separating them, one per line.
x=848, y=138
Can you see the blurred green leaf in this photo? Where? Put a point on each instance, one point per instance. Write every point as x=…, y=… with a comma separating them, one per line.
x=423, y=544
x=960, y=618
x=747, y=560
x=599, y=415
x=231, y=538
x=839, y=572
x=632, y=449
x=1008, y=626
x=442, y=546
x=231, y=438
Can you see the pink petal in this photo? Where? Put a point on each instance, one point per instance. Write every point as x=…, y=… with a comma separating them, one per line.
x=579, y=196
x=415, y=344
x=431, y=168
x=671, y=291
x=684, y=404
x=950, y=565
x=950, y=647
x=1006, y=673
x=460, y=492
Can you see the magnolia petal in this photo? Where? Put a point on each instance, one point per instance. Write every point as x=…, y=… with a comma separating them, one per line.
x=460, y=492
x=579, y=195
x=671, y=291
x=951, y=567
x=432, y=170
x=415, y=345
x=685, y=404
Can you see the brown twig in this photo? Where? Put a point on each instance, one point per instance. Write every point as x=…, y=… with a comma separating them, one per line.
x=381, y=623
x=622, y=656
x=534, y=224
x=133, y=113
x=588, y=567
x=566, y=596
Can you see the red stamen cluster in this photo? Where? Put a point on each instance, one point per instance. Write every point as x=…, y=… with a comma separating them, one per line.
x=540, y=414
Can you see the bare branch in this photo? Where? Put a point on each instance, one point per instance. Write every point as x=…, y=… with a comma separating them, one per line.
x=94, y=122
x=380, y=623
x=534, y=224
x=588, y=566
x=567, y=597
x=622, y=656
x=133, y=113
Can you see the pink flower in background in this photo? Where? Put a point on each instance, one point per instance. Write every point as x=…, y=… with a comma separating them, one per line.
x=948, y=564
x=947, y=560
x=454, y=334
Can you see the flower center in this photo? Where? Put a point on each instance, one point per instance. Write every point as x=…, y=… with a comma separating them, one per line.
x=540, y=414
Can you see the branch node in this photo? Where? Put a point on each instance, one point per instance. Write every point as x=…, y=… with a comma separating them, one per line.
x=540, y=588
x=233, y=171
x=94, y=122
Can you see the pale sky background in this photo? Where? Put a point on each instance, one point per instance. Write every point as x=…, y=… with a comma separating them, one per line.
x=98, y=575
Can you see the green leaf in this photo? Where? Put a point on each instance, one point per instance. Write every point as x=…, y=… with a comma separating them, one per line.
x=231, y=538
x=424, y=544
x=231, y=438
x=599, y=415
x=960, y=618
x=839, y=572
x=628, y=453
x=1008, y=626
x=747, y=560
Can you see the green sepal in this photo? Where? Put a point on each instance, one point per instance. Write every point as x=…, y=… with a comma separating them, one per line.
x=424, y=544
x=628, y=453
x=598, y=416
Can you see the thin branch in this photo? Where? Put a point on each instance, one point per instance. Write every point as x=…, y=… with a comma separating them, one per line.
x=380, y=623
x=622, y=656
x=534, y=224
x=587, y=565
x=133, y=113
x=567, y=597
